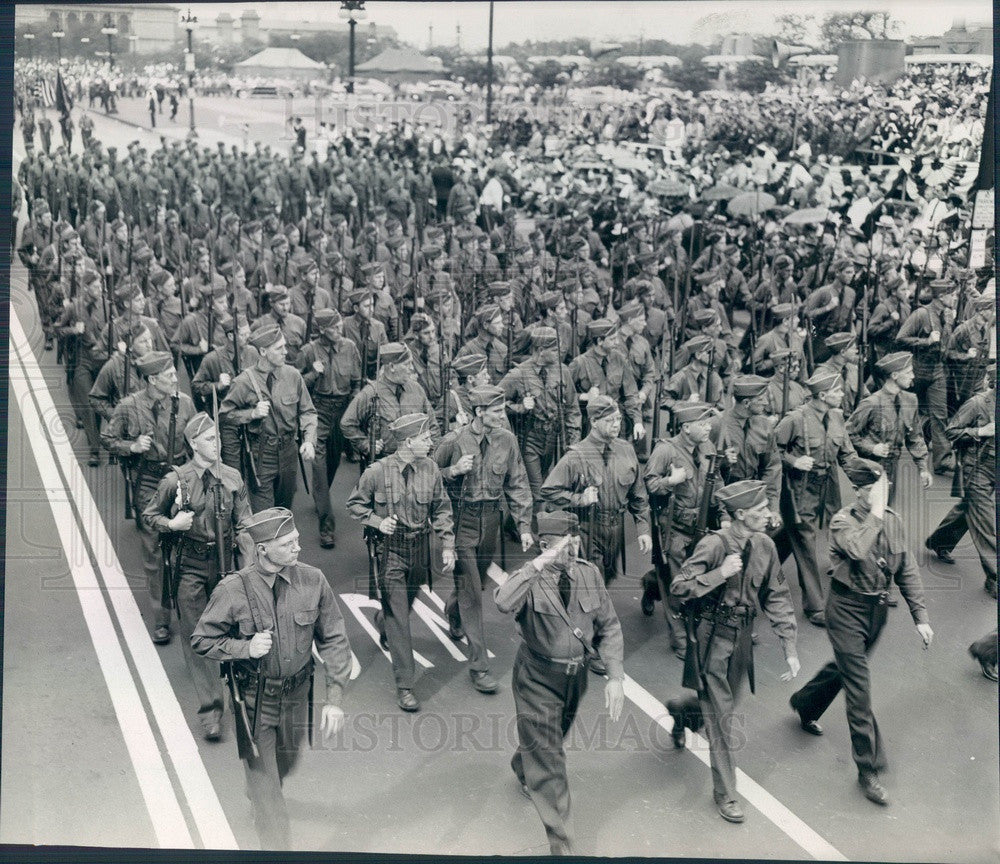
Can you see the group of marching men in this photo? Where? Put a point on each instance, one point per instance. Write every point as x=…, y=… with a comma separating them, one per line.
x=532, y=409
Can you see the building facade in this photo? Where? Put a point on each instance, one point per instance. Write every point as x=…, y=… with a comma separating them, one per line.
x=143, y=28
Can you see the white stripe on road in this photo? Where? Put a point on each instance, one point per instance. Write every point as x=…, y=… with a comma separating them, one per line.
x=181, y=748
x=755, y=794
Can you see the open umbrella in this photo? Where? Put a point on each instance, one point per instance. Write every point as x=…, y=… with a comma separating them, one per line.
x=721, y=192
x=750, y=204
x=807, y=216
x=668, y=188
x=680, y=222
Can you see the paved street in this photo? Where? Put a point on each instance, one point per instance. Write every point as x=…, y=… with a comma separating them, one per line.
x=439, y=782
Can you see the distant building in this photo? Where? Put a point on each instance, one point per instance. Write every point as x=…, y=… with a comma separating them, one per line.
x=227, y=30
x=961, y=38
x=143, y=28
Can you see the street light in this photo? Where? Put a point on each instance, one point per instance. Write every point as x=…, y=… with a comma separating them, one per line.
x=352, y=11
x=190, y=24
x=58, y=36
x=31, y=45
x=110, y=31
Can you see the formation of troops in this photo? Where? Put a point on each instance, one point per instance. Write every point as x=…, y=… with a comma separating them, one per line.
x=235, y=326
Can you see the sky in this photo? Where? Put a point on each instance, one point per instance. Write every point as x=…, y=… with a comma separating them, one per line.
x=612, y=19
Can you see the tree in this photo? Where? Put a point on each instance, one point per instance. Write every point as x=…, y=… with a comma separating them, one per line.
x=692, y=75
x=474, y=71
x=546, y=75
x=839, y=27
x=754, y=76
x=793, y=28
x=615, y=75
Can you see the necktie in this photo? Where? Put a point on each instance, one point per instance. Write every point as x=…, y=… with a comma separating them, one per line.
x=564, y=587
x=270, y=382
x=399, y=392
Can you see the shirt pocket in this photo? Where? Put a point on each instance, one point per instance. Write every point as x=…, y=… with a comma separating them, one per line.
x=494, y=478
x=543, y=604
x=589, y=601
x=305, y=625
x=246, y=628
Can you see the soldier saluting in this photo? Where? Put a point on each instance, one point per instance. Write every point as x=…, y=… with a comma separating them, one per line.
x=184, y=506
x=265, y=620
x=731, y=574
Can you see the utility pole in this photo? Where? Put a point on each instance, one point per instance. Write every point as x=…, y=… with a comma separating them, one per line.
x=489, y=70
x=430, y=35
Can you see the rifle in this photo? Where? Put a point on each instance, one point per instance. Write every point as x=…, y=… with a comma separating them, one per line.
x=657, y=393
x=372, y=419
x=246, y=451
x=310, y=301
x=862, y=348
x=302, y=465
x=560, y=409
x=72, y=341
x=445, y=375
x=711, y=369
x=168, y=595
x=784, y=386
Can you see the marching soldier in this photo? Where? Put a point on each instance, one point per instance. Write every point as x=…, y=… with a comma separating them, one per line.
x=677, y=472
x=782, y=397
x=401, y=497
x=138, y=431
x=968, y=350
x=272, y=401
x=696, y=381
x=732, y=574
x=641, y=361
x=218, y=367
x=784, y=336
x=307, y=285
x=293, y=328
x=394, y=393
x=887, y=419
x=599, y=478
x=470, y=372
x=889, y=314
x=812, y=439
x=925, y=333
x=265, y=620
x=331, y=367
x=972, y=431
x=845, y=361
x=745, y=435
x=540, y=390
x=562, y=608
x=184, y=508
x=482, y=468
x=428, y=356
x=201, y=331
x=366, y=332
x=868, y=547
x=603, y=370
x=113, y=383
x=830, y=309
x=490, y=340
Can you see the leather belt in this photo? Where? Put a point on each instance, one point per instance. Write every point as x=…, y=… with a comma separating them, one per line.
x=196, y=548
x=569, y=665
x=877, y=597
x=275, y=686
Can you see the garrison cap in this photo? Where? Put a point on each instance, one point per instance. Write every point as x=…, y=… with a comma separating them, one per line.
x=409, y=426
x=783, y=310
x=600, y=327
x=630, y=311
x=266, y=336
x=697, y=344
x=68, y=234
x=557, y=523
x=986, y=300
x=154, y=362
x=839, y=341
x=823, y=380
x=748, y=386
x=308, y=266
x=337, y=218
x=392, y=242
x=550, y=299
x=942, y=286
x=487, y=313
x=692, y=412
x=779, y=355
x=469, y=364
x=543, y=337
x=371, y=268
x=358, y=295
x=431, y=251
x=393, y=352
x=201, y=422
x=128, y=290
x=862, y=472
x=228, y=268
x=137, y=329
x=213, y=289
x=600, y=407
x=499, y=289
x=276, y=292
x=420, y=322
x=230, y=218
x=269, y=524
x=278, y=240
x=486, y=396
x=742, y=495
x=704, y=317
x=325, y=318
x=252, y=226
x=895, y=362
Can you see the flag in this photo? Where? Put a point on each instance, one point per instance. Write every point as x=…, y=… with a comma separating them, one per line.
x=64, y=102
x=44, y=93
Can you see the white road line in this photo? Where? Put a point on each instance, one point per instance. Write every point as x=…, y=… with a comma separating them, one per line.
x=164, y=809
x=181, y=748
x=769, y=806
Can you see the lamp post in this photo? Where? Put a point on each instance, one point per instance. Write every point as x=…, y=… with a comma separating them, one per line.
x=58, y=36
x=489, y=70
x=190, y=22
x=110, y=31
x=31, y=45
x=352, y=11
